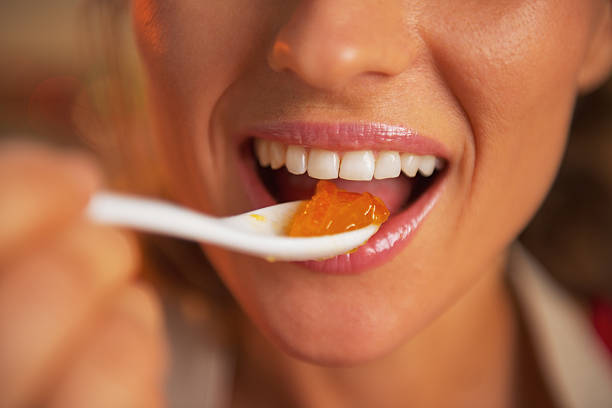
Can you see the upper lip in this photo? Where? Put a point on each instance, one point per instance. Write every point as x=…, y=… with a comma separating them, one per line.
x=349, y=136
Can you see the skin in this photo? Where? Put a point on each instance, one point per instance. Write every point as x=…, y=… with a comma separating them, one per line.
x=494, y=81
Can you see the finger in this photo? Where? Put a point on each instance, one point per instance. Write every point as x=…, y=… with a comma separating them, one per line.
x=46, y=299
x=124, y=363
x=40, y=189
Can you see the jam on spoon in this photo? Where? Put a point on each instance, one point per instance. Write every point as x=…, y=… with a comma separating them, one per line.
x=332, y=211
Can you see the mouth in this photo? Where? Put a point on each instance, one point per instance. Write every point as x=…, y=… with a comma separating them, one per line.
x=284, y=162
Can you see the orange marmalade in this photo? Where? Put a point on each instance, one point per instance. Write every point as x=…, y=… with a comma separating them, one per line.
x=331, y=211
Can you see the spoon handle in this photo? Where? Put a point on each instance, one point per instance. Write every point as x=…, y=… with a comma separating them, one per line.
x=236, y=233
x=155, y=216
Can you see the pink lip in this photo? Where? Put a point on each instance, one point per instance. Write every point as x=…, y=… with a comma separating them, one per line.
x=397, y=231
x=388, y=241
x=349, y=136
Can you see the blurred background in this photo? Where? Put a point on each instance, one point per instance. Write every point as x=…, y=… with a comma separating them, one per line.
x=49, y=59
x=55, y=84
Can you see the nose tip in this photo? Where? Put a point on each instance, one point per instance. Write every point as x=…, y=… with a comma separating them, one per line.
x=328, y=46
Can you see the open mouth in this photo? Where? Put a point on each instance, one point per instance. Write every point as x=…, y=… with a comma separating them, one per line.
x=290, y=172
x=408, y=179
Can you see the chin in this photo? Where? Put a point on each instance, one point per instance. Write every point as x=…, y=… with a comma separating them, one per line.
x=343, y=338
x=328, y=320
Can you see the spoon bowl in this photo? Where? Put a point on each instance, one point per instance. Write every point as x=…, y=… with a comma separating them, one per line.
x=261, y=232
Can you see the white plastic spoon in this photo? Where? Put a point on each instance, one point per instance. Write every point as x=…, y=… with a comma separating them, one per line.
x=260, y=232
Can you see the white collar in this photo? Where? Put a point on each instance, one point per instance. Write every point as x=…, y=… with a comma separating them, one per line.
x=576, y=364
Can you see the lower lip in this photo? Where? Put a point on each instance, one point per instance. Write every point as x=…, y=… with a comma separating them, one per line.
x=390, y=239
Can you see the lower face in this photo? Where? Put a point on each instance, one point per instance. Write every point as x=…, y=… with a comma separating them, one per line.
x=489, y=94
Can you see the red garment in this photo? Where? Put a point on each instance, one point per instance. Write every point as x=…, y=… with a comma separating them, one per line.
x=601, y=316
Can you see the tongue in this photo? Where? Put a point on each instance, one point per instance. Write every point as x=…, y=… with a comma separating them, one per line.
x=394, y=192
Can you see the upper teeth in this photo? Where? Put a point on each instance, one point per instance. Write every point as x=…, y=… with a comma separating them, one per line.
x=352, y=165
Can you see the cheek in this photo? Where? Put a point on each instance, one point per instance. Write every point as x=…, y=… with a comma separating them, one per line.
x=514, y=74
x=195, y=49
x=193, y=52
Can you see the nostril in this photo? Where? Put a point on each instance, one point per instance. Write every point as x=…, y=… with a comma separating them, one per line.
x=278, y=56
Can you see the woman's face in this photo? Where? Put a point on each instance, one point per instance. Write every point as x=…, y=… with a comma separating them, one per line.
x=487, y=86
